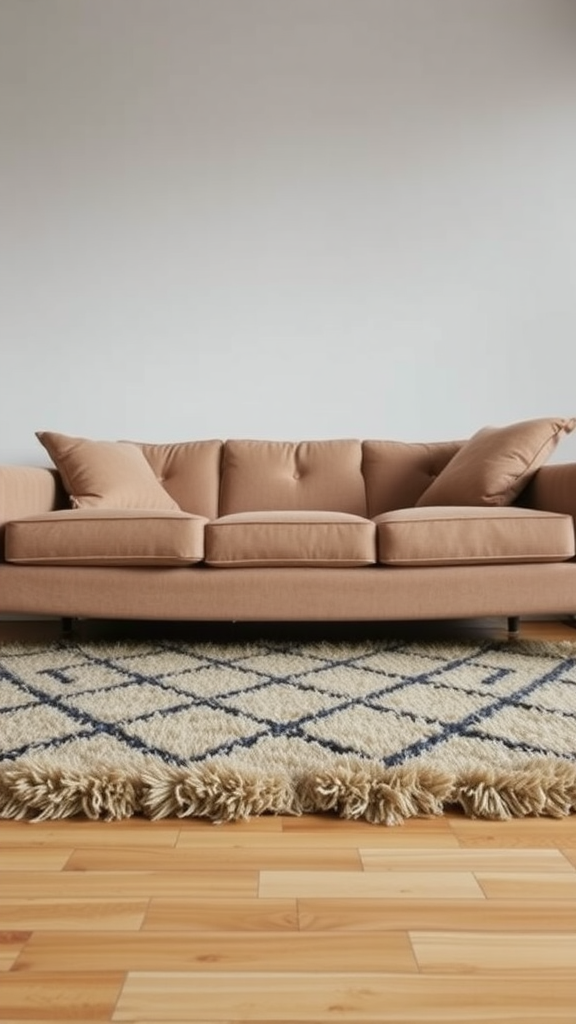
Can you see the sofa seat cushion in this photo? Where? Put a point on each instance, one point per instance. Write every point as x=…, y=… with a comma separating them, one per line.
x=470, y=536
x=106, y=537
x=250, y=539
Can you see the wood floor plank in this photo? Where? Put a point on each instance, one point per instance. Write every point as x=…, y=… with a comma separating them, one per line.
x=60, y=996
x=325, y=915
x=242, y=952
x=488, y=952
x=126, y=884
x=371, y=884
x=237, y=858
x=11, y=945
x=570, y=855
x=379, y=837
x=382, y=1017
x=87, y=833
x=216, y=915
x=22, y=858
x=533, y=833
x=424, y=859
x=74, y=914
x=264, y=823
x=332, y=823
x=525, y=886
x=407, y=998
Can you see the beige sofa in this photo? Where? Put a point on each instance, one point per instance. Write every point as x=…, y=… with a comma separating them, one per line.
x=271, y=530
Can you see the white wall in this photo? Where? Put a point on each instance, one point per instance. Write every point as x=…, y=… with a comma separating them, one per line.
x=285, y=218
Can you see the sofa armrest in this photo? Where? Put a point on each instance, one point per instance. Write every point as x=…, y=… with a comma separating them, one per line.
x=553, y=489
x=27, y=491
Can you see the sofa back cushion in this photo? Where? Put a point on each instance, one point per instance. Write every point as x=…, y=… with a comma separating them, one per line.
x=190, y=472
x=397, y=473
x=261, y=476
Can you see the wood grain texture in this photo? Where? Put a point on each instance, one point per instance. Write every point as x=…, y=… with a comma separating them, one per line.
x=217, y=915
x=80, y=833
x=74, y=914
x=120, y=884
x=503, y=916
x=208, y=859
x=518, y=861
x=260, y=952
x=539, y=833
x=61, y=995
x=309, y=920
x=11, y=945
x=409, y=885
x=521, y=885
x=21, y=858
x=319, y=837
x=469, y=952
x=416, y=998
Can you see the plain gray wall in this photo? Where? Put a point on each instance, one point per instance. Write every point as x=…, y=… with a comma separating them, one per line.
x=285, y=218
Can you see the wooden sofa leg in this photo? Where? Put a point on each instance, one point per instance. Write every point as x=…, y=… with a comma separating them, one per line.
x=514, y=624
x=67, y=627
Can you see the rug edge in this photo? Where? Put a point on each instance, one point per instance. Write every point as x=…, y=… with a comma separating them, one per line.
x=220, y=792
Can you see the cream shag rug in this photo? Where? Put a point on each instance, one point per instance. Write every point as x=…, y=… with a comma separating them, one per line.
x=380, y=730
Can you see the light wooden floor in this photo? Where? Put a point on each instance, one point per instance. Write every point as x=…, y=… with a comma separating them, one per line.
x=290, y=919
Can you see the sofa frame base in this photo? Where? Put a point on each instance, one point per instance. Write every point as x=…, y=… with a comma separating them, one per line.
x=373, y=593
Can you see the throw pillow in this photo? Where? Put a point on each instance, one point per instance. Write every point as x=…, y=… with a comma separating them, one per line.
x=495, y=465
x=105, y=474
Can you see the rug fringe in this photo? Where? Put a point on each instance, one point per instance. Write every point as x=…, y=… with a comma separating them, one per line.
x=544, y=788
x=355, y=790
x=386, y=796
x=47, y=794
x=214, y=791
